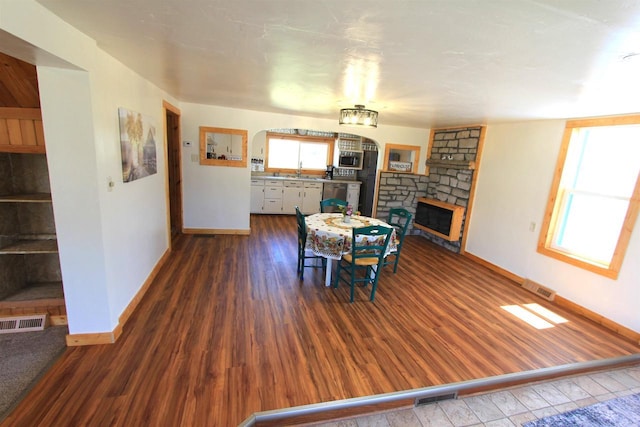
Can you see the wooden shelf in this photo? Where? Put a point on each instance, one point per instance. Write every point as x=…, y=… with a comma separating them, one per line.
x=35, y=295
x=451, y=164
x=24, y=247
x=26, y=198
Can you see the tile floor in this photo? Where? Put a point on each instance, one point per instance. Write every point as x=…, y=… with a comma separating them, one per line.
x=508, y=407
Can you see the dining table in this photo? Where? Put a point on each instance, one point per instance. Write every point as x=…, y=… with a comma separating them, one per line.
x=330, y=235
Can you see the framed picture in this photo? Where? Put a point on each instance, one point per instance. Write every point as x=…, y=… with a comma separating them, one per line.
x=137, y=145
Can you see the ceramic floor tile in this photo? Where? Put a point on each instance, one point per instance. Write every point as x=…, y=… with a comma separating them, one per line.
x=545, y=412
x=623, y=393
x=403, y=418
x=484, y=408
x=565, y=407
x=551, y=394
x=572, y=390
x=590, y=386
x=606, y=396
x=342, y=423
x=625, y=379
x=503, y=422
x=507, y=403
x=459, y=413
x=586, y=402
x=432, y=416
x=608, y=382
x=530, y=398
x=376, y=420
x=634, y=372
x=520, y=419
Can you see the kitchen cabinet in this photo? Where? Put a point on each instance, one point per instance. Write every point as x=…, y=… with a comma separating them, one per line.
x=257, y=195
x=282, y=195
x=353, y=195
x=311, y=198
x=292, y=196
x=272, y=196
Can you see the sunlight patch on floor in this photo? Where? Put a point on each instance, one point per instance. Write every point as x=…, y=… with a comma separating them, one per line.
x=546, y=313
x=535, y=315
x=527, y=316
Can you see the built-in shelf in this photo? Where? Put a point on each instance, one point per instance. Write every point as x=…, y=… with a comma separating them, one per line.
x=451, y=164
x=35, y=295
x=26, y=198
x=25, y=247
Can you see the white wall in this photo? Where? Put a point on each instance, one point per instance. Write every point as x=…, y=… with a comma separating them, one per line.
x=109, y=241
x=514, y=180
x=219, y=197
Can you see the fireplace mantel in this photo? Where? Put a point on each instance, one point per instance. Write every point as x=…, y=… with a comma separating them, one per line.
x=451, y=164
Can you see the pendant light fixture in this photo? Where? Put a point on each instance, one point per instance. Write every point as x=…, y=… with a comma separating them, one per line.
x=358, y=116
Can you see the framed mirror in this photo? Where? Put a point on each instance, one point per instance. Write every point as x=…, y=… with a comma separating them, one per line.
x=223, y=147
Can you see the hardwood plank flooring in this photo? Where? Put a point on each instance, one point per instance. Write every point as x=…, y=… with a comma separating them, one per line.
x=227, y=329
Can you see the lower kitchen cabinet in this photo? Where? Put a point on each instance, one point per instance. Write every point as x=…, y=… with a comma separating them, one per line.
x=292, y=196
x=272, y=196
x=311, y=198
x=281, y=196
x=257, y=195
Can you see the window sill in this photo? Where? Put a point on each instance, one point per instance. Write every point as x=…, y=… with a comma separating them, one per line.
x=610, y=272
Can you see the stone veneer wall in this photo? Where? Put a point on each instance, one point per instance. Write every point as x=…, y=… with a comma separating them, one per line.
x=400, y=190
x=452, y=184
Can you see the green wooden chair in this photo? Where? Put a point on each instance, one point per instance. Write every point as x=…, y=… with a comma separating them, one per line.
x=332, y=203
x=399, y=218
x=363, y=264
x=302, y=242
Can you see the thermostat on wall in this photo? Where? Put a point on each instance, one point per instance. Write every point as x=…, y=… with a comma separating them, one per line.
x=186, y=143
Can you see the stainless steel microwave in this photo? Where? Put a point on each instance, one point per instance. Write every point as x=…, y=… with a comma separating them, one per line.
x=349, y=159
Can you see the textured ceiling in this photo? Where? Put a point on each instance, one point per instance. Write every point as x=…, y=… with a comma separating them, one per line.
x=420, y=63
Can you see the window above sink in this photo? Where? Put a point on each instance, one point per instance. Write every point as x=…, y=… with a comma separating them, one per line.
x=298, y=154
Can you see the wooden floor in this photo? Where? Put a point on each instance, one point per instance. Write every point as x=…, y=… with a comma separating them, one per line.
x=227, y=330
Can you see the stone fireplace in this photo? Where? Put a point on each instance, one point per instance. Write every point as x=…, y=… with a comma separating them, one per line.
x=451, y=167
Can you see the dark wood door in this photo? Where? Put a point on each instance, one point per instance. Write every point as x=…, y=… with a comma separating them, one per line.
x=175, y=170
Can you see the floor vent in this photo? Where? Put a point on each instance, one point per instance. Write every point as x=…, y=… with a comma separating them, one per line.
x=538, y=289
x=433, y=399
x=33, y=322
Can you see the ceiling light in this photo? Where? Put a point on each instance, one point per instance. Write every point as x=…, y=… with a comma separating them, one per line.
x=359, y=116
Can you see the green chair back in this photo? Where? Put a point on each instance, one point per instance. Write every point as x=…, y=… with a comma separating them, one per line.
x=302, y=243
x=326, y=203
x=399, y=218
x=368, y=247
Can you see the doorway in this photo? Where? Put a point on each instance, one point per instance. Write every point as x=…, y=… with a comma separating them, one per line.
x=174, y=170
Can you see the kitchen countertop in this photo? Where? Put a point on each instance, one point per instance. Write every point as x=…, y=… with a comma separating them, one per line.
x=302, y=178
